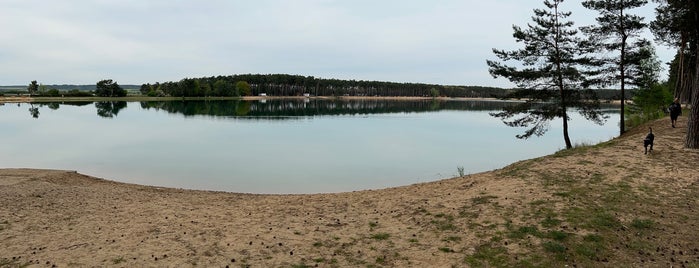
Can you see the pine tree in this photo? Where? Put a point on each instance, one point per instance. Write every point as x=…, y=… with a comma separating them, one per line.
x=550, y=74
x=616, y=31
x=676, y=23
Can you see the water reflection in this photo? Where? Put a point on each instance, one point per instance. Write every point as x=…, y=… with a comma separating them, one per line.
x=285, y=109
x=109, y=109
x=251, y=146
x=289, y=108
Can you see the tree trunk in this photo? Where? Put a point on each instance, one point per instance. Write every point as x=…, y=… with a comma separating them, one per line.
x=693, y=122
x=692, y=141
x=569, y=145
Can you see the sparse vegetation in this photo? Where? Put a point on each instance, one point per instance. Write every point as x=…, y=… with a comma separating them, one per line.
x=380, y=236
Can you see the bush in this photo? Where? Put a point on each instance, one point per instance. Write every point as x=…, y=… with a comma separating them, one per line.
x=648, y=104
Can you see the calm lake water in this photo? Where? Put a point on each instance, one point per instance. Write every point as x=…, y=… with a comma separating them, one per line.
x=290, y=146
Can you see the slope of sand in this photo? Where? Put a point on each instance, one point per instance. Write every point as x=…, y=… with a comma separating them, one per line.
x=66, y=219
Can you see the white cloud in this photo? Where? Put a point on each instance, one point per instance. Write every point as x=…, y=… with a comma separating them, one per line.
x=443, y=42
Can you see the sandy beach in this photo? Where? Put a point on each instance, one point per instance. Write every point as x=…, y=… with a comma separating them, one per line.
x=601, y=206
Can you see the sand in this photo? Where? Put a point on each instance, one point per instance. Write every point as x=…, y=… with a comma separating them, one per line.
x=66, y=219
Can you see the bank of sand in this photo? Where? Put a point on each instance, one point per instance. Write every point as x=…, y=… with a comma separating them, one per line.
x=66, y=219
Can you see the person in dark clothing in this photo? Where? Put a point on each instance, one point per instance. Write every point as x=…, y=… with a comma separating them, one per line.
x=648, y=141
x=675, y=111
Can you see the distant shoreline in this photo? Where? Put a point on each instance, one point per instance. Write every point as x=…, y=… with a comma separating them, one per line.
x=23, y=99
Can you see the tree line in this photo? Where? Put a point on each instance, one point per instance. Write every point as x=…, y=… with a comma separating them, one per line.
x=298, y=85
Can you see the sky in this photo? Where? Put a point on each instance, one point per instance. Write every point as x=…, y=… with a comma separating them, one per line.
x=442, y=42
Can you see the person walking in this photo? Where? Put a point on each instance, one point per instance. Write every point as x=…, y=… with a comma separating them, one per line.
x=675, y=111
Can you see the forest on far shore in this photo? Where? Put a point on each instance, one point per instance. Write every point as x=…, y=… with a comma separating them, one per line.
x=288, y=85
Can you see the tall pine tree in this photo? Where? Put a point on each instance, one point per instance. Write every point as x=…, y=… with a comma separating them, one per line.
x=616, y=32
x=676, y=23
x=549, y=73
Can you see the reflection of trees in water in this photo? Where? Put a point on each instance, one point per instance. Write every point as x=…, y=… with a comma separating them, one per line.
x=306, y=107
x=33, y=111
x=288, y=109
x=109, y=109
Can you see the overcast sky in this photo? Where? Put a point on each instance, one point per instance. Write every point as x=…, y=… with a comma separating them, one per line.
x=144, y=41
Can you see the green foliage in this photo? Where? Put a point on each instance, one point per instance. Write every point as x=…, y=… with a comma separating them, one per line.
x=551, y=79
x=53, y=93
x=649, y=104
x=296, y=85
x=223, y=87
x=434, y=92
x=33, y=87
x=243, y=88
x=109, y=88
x=617, y=33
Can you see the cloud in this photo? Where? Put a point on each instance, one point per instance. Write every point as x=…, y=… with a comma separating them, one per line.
x=442, y=42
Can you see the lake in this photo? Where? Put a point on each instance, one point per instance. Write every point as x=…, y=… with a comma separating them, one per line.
x=276, y=146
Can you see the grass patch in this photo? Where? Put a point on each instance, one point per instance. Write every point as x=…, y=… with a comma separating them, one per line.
x=523, y=232
x=558, y=249
x=445, y=225
x=549, y=222
x=482, y=199
x=557, y=235
x=380, y=260
x=591, y=247
x=554, y=247
x=642, y=224
x=603, y=220
x=488, y=256
x=444, y=222
x=381, y=236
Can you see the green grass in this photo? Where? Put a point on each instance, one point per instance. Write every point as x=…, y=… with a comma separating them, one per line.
x=482, y=199
x=557, y=235
x=642, y=223
x=380, y=236
x=488, y=256
x=550, y=222
x=524, y=231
